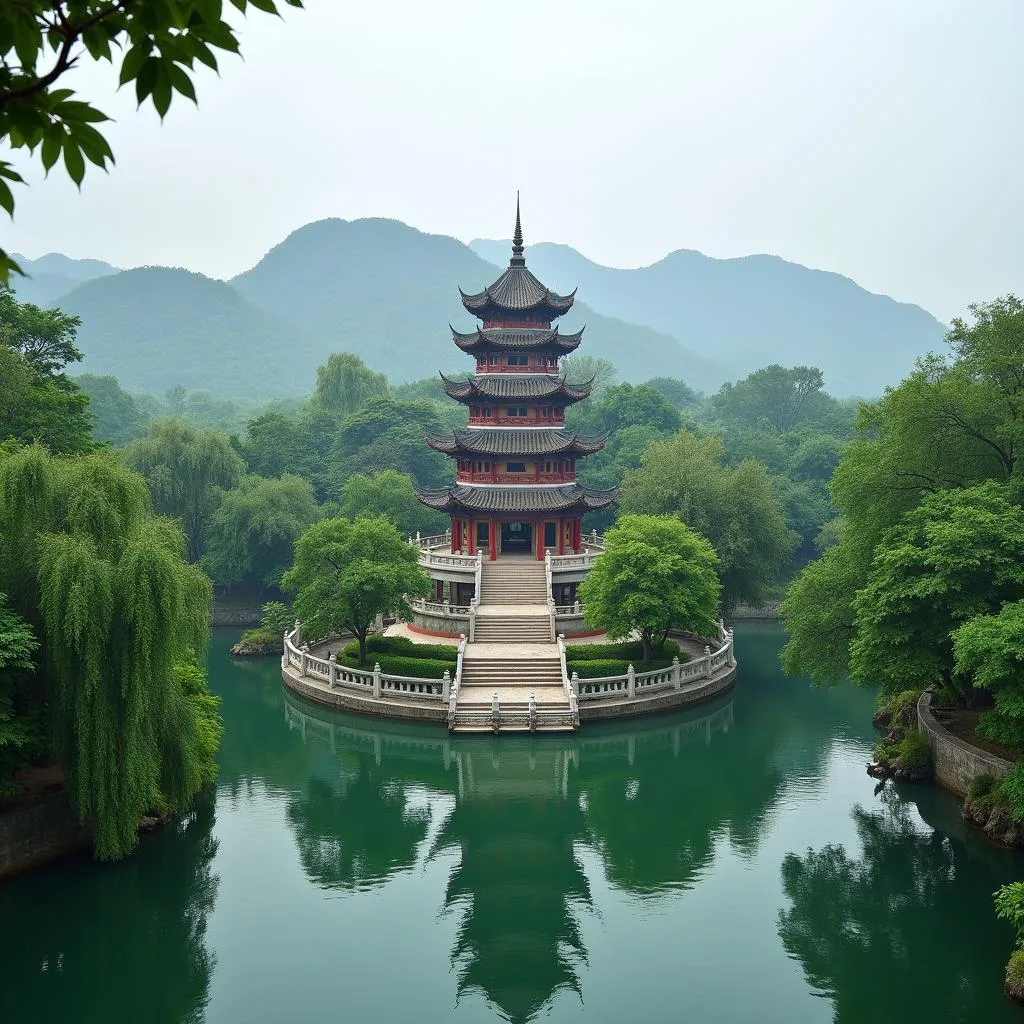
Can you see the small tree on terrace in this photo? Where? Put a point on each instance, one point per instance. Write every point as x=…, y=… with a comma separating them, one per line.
x=656, y=575
x=346, y=574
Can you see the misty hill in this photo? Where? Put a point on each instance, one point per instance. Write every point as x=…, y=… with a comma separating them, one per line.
x=752, y=311
x=153, y=328
x=387, y=292
x=53, y=275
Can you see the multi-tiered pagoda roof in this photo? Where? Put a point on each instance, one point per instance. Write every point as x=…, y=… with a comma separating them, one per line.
x=516, y=461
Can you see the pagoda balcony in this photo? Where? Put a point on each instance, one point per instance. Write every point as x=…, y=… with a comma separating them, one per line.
x=563, y=477
x=554, y=420
x=536, y=367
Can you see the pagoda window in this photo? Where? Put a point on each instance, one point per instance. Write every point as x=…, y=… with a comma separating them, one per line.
x=518, y=360
x=474, y=410
x=515, y=467
x=487, y=410
x=483, y=467
x=545, y=412
x=547, y=467
x=492, y=360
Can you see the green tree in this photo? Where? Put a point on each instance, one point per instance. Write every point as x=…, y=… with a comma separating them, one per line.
x=38, y=401
x=390, y=494
x=18, y=646
x=122, y=618
x=117, y=418
x=346, y=574
x=958, y=555
x=251, y=535
x=678, y=392
x=387, y=434
x=775, y=396
x=154, y=45
x=735, y=508
x=955, y=422
x=276, y=443
x=187, y=471
x=625, y=405
x=344, y=384
x=655, y=575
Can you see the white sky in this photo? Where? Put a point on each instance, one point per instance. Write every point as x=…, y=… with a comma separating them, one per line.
x=878, y=138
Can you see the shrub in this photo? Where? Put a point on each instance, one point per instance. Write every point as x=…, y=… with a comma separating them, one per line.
x=403, y=647
x=981, y=785
x=913, y=753
x=1015, y=975
x=1009, y=901
x=396, y=665
x=597, y=667
x=1011, y=789
x=627, y=652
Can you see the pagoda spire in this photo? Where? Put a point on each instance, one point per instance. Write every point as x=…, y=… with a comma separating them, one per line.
x=518, y=260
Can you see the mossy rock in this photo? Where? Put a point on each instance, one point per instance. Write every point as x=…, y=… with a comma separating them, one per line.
x=1014, y=986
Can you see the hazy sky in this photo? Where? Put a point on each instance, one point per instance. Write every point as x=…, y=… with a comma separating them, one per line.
x=878, y=138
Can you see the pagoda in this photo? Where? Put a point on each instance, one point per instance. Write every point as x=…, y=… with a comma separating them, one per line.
x=515, y=488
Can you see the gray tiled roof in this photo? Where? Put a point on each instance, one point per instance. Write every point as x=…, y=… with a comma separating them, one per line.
x=516, y=441
x=518, y=291
x=517, y=338
x=517, y=499
x=515, y=385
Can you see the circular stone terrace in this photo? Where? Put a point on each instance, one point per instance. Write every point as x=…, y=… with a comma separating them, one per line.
x=512, y=640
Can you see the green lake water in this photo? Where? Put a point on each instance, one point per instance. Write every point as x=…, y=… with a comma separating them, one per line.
x=730, y=864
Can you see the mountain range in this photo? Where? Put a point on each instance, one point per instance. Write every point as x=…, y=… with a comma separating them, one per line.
x=386, y=292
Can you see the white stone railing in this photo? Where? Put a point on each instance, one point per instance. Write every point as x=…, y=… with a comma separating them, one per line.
x=420, y=604
x=635, y=684
x=370, y=682
x=570, y=693
x=547, y=591
x=453, y=696
x=436, y=541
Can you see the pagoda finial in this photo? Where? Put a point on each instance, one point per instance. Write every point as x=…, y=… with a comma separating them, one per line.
x=517, y=240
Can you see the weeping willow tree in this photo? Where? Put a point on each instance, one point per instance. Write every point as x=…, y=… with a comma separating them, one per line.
x=121, y=621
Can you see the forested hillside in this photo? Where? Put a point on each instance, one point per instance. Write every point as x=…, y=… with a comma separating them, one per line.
x=752, y=311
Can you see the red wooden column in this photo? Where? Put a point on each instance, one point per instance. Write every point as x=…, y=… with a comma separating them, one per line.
x=576, y=524
x=456, y=536
x=491, y=533
x=538, y=529
x=561, y=536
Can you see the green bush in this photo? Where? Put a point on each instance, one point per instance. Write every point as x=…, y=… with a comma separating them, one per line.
x=632, y=651
x=277, y=618
x=1009, y=900
x=424, y=668
x=913, y=753
x=894, y=705
x=1015, y=975
x=1011, y=789
x=403, y=647
x=981, y=785
x=260, y=637
x=597, y=667
x=1002, y=729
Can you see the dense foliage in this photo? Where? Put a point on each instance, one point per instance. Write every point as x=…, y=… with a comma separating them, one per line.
x=922, y=584
x=655, y=575
x=119, y=699
x=346, y=574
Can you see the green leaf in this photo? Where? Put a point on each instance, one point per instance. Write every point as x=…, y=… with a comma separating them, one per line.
x=133, y=61
x=73, y=160
x=182, y=83
x=52, y=143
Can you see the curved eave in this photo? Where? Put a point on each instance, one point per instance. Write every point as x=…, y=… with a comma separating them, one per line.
x=548, y=305
x=489, y=387
x=499, y=339
x=461, y=498
x=470, y=442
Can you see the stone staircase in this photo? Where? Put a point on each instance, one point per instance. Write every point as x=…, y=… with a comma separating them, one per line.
x=511, y=672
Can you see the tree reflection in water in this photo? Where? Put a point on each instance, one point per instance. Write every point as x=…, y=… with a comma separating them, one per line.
x=60, y=963
x=864, y=928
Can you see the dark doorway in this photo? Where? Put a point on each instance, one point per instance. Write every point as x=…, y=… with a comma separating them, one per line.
x=516, y=538
x=550, y=535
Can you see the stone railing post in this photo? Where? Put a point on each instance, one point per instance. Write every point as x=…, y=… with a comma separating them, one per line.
x=446, y=685
x=297, y=633
x=732, y=650
x=593, y=537
x=533, y=712
x=631, y=682
x=575, y=683
x=417, y=538
x=677, y=674
x=495, y=713
x=707, y=662
x=576, y=607
x=376, y=679
x=332, y=669
x=303, y=656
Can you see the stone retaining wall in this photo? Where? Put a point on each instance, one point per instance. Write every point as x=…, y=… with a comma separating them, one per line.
x=956, y=762
x=235, y=615
x=40, y=832
x=665, y=700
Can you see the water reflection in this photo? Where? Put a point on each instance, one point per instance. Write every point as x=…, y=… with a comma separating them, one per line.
x=865, y=927
x=520, y=807
x=70, y=944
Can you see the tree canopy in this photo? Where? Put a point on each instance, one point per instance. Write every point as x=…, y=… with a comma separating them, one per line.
x=251, y=534
x=346, y=574
x=158, y=47
x=655, y=575
x=390, y=494
x=775, y=396
x=344, y=384
x=186, y=470
x=735, y=508
x=122, y=618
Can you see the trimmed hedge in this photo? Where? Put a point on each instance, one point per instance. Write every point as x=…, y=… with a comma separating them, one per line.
x=632, y=651
x=403, y=647
x=396, y=665
x=597, y=667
